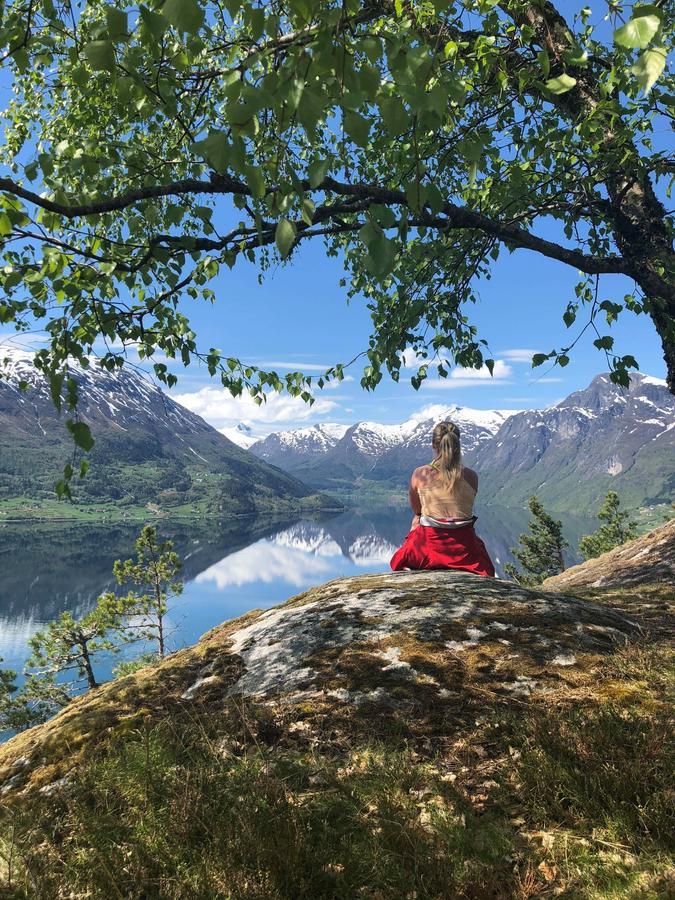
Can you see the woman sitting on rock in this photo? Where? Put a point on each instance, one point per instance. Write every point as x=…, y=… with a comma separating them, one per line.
x=442, y=495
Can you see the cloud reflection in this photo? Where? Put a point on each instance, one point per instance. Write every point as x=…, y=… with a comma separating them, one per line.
x=268, y=562
x=14, y=636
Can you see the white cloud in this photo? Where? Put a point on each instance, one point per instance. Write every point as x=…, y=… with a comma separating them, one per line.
x=268, y=562
x=23, y=340
x=461, y=377
x=334, y=385
x=222, y=410
x=412, y=360
x=294, y=366
x=518, y=355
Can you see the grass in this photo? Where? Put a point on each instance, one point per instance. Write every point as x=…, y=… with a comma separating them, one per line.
x=570, y=797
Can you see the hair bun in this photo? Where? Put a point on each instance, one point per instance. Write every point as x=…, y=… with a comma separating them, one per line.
x=448, y=427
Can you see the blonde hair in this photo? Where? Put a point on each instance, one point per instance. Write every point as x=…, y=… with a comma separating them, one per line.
x=445, y=441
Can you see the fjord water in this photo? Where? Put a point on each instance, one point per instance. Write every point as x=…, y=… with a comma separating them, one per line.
x=229, y=567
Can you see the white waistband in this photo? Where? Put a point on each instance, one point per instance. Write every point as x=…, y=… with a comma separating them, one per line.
x=430, y=522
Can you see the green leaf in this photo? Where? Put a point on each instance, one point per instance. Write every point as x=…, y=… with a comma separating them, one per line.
x=310, y=109
x=381, y=255
x=216, y=149
x=256, y=181
x=356, y=127
x=5, y=225
x=184, y=15
x=604, y=343
x=308, y=208
x=638, y=32
x=317, y=172
x=116, y=20
x=415, y=194
x=55, y=386
x=62, y=490
x=394, y=115
x=81, y=434
x=155, y=24
x=284, y=237
x=544, y=62
x=368, y=233
x=372, y=47
x=538, y=359
x=490, y=365
x=101, y=55
x=570, y=314
x=649, y=67
x=562, y=84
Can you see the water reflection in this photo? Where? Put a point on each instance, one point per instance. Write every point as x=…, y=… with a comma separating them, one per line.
x=229, y=568
x=267, y=562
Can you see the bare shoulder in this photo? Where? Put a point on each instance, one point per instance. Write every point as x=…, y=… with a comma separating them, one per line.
x=421, y=475
x=471, y=477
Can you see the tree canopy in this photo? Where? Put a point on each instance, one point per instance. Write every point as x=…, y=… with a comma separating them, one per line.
x=541, y=552
x=148, y=146
x=615, y=529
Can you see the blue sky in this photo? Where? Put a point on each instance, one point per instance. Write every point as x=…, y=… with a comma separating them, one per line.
x=299, y=317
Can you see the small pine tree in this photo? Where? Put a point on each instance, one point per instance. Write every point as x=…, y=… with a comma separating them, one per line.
x=9, y=705
x=617, y=528
x=155, y=568
x=17, y=711
x=64, y=646
x=541, y=551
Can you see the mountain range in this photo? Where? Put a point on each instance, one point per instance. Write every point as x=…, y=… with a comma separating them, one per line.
x=149, y=450
x=335, y=455
x=600, y=438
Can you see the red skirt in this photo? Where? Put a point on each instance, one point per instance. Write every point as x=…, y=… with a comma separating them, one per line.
x=443, y=548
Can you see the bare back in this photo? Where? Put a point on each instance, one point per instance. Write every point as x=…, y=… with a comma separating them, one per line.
x=430, y=494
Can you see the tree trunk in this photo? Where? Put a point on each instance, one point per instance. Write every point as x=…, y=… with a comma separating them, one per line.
x=160, y=616
x=639, y=218
x=88, y=668
x=643, y=239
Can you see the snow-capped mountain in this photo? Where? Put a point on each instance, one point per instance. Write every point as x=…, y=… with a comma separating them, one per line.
x=241, y=435
x=476, y=427
x=372, y=448
x=570, y=454
x=149, y=449
x=120, y=398
x=287, y=448
x=603, y=437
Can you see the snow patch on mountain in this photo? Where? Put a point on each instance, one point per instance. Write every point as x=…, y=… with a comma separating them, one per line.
x=309, y=538
x=241, y=435
x=372, y=440
x=134, y=395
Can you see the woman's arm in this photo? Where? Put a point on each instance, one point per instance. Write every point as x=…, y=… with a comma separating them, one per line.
x=415, y=503
x=472, y=478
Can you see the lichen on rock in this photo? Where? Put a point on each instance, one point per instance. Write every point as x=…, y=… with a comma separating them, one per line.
x=649, y=559
x=411, y=642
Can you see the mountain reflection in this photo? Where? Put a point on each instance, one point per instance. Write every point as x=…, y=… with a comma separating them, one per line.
x=266, y=562
x=229, y=568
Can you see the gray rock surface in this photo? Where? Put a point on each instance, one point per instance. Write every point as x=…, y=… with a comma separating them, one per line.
x=649, y=559
x=418, y=646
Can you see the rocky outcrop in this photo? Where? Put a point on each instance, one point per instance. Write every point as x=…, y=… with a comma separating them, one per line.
x=649, y=559
x=411, y=648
